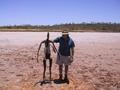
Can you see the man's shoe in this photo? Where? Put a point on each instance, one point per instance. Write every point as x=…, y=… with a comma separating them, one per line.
x=60, y=77
x=66, y=79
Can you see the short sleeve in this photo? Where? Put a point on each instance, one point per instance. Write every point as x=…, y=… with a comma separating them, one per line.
x=56, y=40
x=71, y=43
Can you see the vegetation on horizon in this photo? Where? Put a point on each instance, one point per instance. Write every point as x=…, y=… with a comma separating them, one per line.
x=97, y=27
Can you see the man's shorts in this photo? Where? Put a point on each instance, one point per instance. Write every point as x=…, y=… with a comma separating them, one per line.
x=66, y=60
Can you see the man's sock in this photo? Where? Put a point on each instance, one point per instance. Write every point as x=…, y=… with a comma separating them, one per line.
x=66, y=77
x=60, y=76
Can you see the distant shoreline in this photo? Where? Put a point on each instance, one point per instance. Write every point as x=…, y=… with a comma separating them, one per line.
x=53, y=30
x=71, y=27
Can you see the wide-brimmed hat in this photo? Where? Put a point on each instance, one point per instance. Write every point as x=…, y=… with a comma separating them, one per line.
x=65, y=33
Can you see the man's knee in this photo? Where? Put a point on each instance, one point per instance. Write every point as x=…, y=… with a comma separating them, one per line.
x=60, y=68
x=66, y=66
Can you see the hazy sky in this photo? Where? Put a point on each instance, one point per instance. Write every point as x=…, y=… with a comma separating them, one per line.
x=58, y=11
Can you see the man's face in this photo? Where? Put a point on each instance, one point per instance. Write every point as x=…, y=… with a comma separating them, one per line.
x=65, y=36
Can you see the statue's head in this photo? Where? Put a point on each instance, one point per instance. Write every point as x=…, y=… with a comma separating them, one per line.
x=48, y=36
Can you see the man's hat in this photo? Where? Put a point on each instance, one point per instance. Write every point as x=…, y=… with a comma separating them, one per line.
x=65, y=33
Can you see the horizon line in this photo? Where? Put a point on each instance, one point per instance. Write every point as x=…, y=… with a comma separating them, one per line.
x=61, y=23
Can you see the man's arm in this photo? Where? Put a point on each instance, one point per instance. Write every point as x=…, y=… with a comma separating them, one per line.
x=72, y=51
x=39, y=49
x=72, y=45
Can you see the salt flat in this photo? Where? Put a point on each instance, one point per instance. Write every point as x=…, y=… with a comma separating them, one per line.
x=95, y=67
x=25, y=38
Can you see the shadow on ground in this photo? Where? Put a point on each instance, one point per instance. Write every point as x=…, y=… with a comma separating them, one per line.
x=56, y=81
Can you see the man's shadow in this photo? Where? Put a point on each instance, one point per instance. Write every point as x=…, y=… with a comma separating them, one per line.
x=56, y=81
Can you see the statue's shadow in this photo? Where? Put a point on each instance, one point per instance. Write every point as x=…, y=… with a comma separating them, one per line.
x=43, y=82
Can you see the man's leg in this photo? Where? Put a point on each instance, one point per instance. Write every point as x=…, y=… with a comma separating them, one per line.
x=44, y=64
x=50, y=62
x=60, y=71
x=66, y=72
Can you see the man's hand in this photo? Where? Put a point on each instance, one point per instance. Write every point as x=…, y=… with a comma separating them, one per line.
x=71, y=54
x=71, y=59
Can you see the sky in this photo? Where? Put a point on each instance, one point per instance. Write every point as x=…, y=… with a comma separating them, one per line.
x=50, y=12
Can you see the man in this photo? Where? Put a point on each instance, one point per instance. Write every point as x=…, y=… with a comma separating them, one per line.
x=47, y=54
x=66, y=51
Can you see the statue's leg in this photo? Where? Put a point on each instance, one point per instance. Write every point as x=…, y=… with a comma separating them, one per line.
x=44, y=64
x=50, y=67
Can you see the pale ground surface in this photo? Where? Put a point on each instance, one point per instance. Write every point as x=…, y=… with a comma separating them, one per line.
x=96, y=63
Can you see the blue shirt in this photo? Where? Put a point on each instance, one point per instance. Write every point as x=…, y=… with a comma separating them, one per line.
x=64, y=45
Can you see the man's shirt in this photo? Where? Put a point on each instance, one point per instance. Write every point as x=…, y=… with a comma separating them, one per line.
x=64, y=45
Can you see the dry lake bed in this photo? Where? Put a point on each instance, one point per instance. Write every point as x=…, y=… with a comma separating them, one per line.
x=96, y=63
